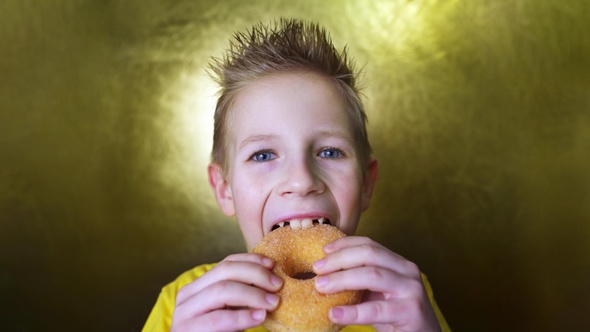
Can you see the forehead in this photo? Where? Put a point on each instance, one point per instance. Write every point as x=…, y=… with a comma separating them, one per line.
x=289, y=98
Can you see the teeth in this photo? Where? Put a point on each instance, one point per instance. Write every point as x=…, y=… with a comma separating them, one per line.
x=301, y=223
x=295, y=224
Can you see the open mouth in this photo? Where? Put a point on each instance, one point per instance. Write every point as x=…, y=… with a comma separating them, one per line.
x=302, y=223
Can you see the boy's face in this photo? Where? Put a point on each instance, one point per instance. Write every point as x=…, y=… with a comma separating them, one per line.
x=291, y=155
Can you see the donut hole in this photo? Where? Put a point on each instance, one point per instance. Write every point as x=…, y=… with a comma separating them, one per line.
x=304, y=275
x=296, y=268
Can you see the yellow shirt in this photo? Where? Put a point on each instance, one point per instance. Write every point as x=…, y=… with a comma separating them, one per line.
x=160, y=319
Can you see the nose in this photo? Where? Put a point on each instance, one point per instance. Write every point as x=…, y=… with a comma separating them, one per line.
x=301, y=178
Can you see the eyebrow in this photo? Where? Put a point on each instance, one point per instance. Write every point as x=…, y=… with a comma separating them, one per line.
x=269, y=137
x=336, y=133
x=257, y=138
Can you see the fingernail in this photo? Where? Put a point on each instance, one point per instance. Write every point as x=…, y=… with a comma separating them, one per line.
x=276, y=280
x=267, y=261
x=259, y=315
x=337, y=313
x=272, y=299
x=328, y=247
x=321, y=281
x=318, y=264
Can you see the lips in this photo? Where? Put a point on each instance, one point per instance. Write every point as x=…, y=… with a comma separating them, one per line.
x=302, y=223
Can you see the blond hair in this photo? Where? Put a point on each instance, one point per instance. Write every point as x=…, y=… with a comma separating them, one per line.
x=286, y=46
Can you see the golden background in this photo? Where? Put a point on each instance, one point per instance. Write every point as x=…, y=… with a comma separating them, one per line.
x=479, y=113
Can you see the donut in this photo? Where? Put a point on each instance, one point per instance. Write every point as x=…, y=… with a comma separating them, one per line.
x=301, y=307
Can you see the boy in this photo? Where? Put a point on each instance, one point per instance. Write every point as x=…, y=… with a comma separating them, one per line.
x=290, y=142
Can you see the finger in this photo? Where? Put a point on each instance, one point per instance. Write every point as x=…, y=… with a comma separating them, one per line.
x=252, y=258
x=405, y=314
x=346, y=242
x=376, y=279
x=364, y=254
x=224, y=320
x=376, y=312
x=222, y=295
x=240, y=271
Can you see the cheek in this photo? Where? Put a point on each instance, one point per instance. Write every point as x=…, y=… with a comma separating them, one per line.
x=347, y=191
x=250, y=231
x=249, y=195
x=257, y=175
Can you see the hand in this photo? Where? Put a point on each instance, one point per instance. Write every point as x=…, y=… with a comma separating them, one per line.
x=396, y=299
x=234, y=295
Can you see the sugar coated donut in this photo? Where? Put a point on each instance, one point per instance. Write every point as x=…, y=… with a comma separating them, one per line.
x=301, y=307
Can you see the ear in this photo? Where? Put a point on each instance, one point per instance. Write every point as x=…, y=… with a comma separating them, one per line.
x=369, y=180
x=221, y=189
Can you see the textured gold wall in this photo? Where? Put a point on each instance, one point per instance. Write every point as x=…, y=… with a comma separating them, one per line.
x=479, y=113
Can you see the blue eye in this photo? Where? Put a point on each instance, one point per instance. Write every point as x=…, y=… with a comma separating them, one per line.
x=331, y=153
x=263, y=156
